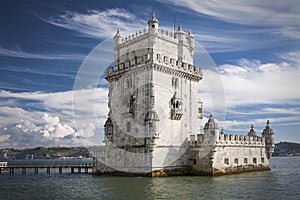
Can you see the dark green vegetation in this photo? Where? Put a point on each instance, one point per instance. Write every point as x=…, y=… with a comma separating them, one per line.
x=44, y=153
x=287, y=149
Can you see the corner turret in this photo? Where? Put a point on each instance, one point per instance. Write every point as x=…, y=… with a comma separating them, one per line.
x=117, y=41
x=153, y=22
x=211, y=130
x=268, y=134
x=252, y=131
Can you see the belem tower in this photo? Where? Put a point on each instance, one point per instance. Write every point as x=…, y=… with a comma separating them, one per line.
x=153, y=125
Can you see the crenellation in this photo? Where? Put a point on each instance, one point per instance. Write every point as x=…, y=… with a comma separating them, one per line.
x=162, y=60
x=231, y=140
x=162, y=33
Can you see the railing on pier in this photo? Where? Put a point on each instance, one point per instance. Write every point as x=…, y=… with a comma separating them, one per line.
x=63, y=166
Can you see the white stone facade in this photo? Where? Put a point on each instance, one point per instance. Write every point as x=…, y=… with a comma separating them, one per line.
x=219, y=153
x=154, y=111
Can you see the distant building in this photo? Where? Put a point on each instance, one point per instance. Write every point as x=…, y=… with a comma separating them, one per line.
x=153, y=125
x=29, y=157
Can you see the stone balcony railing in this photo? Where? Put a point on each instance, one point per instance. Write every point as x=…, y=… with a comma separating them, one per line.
x=165, y=61
x=230, y=140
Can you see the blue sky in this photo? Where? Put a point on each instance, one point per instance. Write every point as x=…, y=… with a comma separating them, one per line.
x=53, y=53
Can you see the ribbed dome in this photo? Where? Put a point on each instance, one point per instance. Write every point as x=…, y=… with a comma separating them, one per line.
x=151, y=116
x=108, y=122
x=268, y=129
x=252, y=131
x=211, y=124
x=153, y=19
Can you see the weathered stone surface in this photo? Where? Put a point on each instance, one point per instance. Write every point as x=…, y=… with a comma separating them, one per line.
x=155, y=113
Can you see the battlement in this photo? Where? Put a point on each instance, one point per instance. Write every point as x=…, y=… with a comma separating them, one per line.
x=164, y=63
x=229, y=140
x=133, y=37
x=164, y=34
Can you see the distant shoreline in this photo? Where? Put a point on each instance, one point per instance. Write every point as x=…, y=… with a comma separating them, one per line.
x=282, y=149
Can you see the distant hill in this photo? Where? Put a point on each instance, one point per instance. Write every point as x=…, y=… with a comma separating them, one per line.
x=287, y=149
x=44, y=153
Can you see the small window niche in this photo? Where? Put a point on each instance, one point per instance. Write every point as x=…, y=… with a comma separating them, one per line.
x=176, y=108
x=254, y=160
x=236, y=161
x=226, y=161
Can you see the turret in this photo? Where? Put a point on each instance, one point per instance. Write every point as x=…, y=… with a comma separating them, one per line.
x=191, y=42
x=211, y=130
x=117, y=41
x=153, y=23
x=268, y=134
x=117, y=38
x=108, y=130
x=252, y=131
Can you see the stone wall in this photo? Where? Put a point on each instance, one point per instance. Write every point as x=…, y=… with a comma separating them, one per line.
x=228, y=154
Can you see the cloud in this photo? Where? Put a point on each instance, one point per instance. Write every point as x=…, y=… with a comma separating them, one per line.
x=256, y=92
x=274, y=83
x=57, y=122
x=290, y=32
x=98, y=23
x=19, y=53
x=242, y=23
x=257, y=13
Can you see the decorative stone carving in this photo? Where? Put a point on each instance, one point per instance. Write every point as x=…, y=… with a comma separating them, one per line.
x=176, y=110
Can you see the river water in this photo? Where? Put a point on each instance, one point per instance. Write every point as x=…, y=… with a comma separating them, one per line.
x=282, y=182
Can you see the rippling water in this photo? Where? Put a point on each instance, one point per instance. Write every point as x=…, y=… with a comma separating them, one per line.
x=282, y=182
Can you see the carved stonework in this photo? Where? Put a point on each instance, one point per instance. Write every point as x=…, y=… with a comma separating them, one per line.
x=176, y=108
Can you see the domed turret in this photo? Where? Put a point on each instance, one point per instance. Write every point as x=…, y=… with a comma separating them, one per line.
x=211, y=124
x=151, y=116
x=117, y=38
x=268, y=134
x=252, y=131
x=211, y=131
x=153, y=22
x=268, y=129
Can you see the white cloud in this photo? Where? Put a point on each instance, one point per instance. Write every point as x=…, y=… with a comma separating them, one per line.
x=256, y=92
x=98, y=23
x=59, y=122
x=19, y=53
x=265, y=83
x=273, y=23
x=290, y=32
x=258, y=13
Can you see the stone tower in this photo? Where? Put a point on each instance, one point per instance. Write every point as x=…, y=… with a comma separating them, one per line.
x=153, y=95
x=268, y=134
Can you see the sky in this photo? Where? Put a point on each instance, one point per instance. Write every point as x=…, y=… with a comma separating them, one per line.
x=53, y=54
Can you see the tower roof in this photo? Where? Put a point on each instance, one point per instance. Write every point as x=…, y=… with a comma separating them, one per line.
x=252, y=131
x=211, y=124
x=153, y=19
x=268, y=129
x=151, y=116
x=117, y=34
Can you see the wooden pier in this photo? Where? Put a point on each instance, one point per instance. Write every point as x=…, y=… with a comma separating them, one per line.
x=48, y=167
